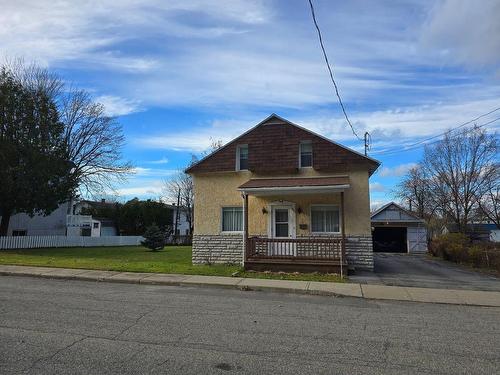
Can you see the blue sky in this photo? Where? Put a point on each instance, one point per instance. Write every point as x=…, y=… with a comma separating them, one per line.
x=179, y=73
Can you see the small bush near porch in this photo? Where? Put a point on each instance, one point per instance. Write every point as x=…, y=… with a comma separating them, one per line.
x=173, y=259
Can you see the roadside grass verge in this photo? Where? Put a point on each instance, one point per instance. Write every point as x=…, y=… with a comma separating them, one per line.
x=173, y=259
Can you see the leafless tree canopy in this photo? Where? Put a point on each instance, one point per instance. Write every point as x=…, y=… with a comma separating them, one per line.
x=94, y=140
x=489, y=202
x=414, y=191
x=182, y=185
x=457, y=178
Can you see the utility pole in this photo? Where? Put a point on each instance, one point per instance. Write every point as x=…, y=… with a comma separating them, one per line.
x=177, y=215
x=367, y=142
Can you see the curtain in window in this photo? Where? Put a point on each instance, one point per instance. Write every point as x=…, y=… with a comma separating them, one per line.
x=331, y=220
x=325, y=219
x=317, y=220
x=232, y=219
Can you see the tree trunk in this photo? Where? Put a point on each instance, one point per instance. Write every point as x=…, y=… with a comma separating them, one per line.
x=4, y=224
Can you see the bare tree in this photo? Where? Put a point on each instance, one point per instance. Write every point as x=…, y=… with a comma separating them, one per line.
x=415, y=192
x=182, y=185
x=94, y=141
x=460, y=167
x=489, y=202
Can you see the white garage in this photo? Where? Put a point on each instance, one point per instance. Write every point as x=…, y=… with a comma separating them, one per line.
x=397, y=230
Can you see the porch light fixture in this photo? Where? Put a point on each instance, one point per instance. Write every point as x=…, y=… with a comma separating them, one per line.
x=299, y=210
x=264, y=211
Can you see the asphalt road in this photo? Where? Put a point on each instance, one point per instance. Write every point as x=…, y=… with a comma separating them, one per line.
x=422, y=271
x=77, y=327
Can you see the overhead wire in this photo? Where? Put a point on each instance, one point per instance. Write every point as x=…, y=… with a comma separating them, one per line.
x=422, y=144
x=331, y=72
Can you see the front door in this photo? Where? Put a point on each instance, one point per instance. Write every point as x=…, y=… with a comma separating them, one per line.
x=283, y=227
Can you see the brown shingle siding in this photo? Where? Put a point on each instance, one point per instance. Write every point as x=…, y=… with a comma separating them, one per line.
x=273, y=147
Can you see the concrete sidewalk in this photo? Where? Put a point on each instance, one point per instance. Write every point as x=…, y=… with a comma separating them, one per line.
x=379, y=292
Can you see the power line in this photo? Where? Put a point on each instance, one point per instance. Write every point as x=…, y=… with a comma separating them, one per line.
x=448, y=131
x=330, y=71
x=420, y=144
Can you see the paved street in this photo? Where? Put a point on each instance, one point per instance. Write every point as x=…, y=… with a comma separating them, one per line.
x=425, y=272
x=78, y=327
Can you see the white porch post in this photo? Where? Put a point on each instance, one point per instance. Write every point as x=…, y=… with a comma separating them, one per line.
x=245, y=226
x=342, y=250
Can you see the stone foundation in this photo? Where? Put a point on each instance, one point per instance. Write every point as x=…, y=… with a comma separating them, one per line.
x=217, y=248
x=228, y=248
x=359, y=251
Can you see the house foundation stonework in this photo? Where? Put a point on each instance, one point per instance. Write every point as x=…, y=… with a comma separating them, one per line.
x=359, y=252
x=218, y=248
x=228, y=249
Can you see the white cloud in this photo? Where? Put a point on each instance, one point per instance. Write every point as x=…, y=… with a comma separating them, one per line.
x=151, y=190
x=153, y=172
x=376, y=204
x=57, y=31
x=377, y=187
x=244, y=58
x=464, y=30
x=390, y=130
x=116, y=106
x=225, y=54
x=397, y=171
x=163, y=160
x=195, y=139
x=393, y=128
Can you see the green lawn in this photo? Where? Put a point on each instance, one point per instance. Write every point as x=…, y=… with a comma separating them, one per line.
x=173, y=259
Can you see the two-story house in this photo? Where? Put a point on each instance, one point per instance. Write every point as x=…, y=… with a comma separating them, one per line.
x=281, y=197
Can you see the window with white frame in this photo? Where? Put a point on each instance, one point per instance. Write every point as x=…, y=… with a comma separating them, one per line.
x=242, y=158
x=305, y=158
x=325, y=219
x=232, y=219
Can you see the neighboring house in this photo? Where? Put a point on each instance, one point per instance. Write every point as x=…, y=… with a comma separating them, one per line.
x=398, y=230
x=282, y=197
x=66, y=220
x=54, y=224
x=107, y=226
x=180, y=224
x=476, y=231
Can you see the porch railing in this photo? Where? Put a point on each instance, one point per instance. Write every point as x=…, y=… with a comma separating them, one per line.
x=310, y=248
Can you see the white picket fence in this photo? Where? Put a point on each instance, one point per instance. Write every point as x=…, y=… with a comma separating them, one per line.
x=32, y=242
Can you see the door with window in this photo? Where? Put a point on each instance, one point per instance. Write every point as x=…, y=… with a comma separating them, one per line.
x=283, y=227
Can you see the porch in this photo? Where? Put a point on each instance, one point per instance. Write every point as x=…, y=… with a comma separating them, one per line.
x=313, y=254
x=286, y=245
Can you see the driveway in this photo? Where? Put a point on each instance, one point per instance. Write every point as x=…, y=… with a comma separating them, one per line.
x=422, y=271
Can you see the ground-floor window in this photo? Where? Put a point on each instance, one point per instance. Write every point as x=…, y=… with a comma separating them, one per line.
x=232, y=219
x=325, y=219
x=19, y=233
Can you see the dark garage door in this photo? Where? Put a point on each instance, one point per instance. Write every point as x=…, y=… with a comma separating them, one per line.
x=389, y=240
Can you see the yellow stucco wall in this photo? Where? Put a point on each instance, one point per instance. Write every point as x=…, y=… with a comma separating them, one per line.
x=216, y=190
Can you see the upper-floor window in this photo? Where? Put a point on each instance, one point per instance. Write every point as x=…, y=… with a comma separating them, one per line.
x=242, y=158
x=306, y=155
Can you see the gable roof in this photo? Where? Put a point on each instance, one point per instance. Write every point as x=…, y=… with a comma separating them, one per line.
x=412, y=216
x=273, y=146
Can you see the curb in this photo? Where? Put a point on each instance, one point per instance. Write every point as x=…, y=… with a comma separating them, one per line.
x=369, y=292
